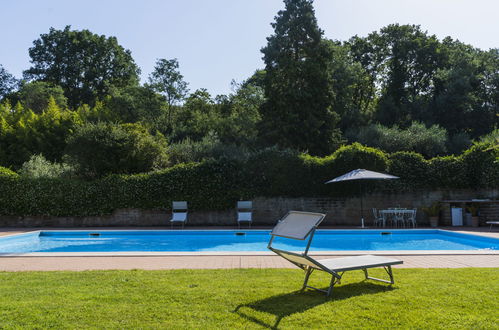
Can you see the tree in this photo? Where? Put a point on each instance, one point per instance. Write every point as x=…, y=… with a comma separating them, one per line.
x=100, y=149
x=197, y=118
x=167, y=80
x=7, y=82
x=135, y=103
x=36, y=95
x=297, y=113
x=84, y=64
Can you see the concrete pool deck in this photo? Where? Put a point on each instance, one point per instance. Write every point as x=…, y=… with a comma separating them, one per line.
x=413, y=259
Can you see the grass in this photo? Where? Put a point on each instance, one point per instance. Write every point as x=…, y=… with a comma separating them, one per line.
x=249, y=298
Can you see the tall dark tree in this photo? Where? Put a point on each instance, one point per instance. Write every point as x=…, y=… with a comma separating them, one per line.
x=297, y=113
x=84, y=64
x=466, y=97
x=7, y=82
x=402, y=61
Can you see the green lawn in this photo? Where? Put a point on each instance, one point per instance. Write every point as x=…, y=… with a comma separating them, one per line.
x=249, y=298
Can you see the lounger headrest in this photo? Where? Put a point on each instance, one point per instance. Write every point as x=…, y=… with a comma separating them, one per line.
x=297, y=225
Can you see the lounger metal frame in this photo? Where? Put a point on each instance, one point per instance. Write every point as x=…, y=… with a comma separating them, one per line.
x=308, y=264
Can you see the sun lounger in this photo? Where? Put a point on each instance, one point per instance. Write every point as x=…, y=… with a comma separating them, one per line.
x=179, y=213
x=244, y=212
x=491, y=223
x=299, y=226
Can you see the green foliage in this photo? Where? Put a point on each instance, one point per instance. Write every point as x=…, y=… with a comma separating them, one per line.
x=100, y=149
x=210, y=147
x=5, y=172
x=354, y=156
x=197, y=118
x=481, y=164
x=167, y=80
x=84, y=64
x=447, y=172
x=413, y=76
x=217, y=183
x=297, y=112
x=411, y=167
x=24, y=133
x=39, y=167
x=133, y=104
x=8, y=82
x=274, y=172
x=492, y=138
x=429, y=142
x=458, y=143
x=36, y=96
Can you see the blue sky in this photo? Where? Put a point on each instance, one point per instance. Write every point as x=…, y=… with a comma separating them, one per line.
x=219, y=40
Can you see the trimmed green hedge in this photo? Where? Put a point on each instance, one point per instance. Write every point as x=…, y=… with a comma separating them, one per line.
x=213, y=185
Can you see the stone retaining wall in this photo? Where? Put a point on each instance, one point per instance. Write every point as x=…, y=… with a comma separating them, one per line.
x=340, y=211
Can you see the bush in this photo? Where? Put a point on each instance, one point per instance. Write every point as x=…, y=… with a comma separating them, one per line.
x=429, y=142
x=481, y=163
x=209, y=147
x=457, y=143
x=100, y=149
x=447, y=172
x=7, y=173
x=39, y=167
x=411, y=167
x=218, y=184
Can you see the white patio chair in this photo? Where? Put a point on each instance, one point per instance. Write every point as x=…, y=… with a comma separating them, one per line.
x=398, y=218
x=299, y=226
x=179, y=213
x=412, y=218
x=244, y=212
x=379, y=220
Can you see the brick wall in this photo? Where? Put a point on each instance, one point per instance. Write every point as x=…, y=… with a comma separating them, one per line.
x=340, y=211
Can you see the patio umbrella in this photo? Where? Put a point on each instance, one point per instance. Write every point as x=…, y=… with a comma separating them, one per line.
x=361, y=174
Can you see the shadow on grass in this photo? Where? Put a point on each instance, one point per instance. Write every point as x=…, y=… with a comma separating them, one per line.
x=297, y=302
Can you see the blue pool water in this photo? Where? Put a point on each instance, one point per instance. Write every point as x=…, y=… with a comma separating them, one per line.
x=228, y=240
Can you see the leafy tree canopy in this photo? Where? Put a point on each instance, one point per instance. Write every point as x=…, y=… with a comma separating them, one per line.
x=297, y=112
x=84, y=64
x=7, y=82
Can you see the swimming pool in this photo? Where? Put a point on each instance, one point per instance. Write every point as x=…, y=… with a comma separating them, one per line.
x=232, y=241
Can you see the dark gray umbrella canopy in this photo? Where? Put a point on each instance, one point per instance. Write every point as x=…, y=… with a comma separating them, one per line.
x=361, y=174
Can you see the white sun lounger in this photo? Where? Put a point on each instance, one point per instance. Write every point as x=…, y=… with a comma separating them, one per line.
x=491, y=223
x=299, y=226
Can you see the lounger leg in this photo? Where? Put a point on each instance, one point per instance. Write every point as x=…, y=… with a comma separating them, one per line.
x=388, y=270
x=307, y=275
x=334, y=280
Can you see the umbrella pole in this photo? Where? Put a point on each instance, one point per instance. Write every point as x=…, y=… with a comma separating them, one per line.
x=361, y=206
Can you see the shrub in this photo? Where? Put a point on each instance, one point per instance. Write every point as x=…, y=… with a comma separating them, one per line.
x=217, y=184
x=7, y=173
x=411, y=167
x=457, y=143
x=100, y=149
x=274, y=172
x=351, y=157
x=209, y=147
x=481, y=163
x=447, y=172
x=428, y=141
x=39, y=167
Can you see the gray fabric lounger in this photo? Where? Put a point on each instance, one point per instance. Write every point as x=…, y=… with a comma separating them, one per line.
x=300, y=225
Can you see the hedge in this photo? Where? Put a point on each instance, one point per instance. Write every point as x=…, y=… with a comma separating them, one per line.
x=215, y=185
